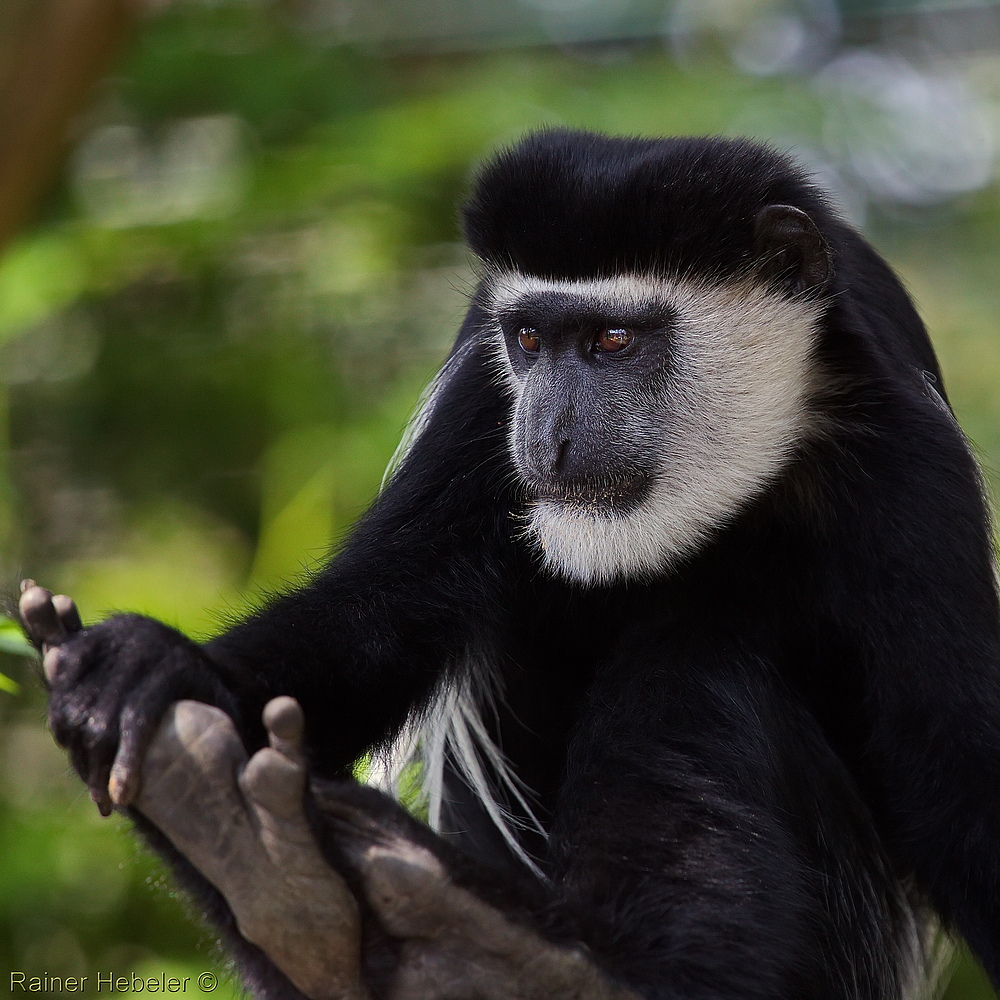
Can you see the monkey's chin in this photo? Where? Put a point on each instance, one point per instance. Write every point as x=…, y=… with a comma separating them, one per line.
x=598, y=546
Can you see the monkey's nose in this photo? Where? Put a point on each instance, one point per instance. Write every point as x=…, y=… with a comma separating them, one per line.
x=560, y=460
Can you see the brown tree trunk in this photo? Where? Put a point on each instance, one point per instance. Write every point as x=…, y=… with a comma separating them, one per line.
x=65, y=48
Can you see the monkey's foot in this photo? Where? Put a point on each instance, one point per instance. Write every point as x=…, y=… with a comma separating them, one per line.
x=242, y=825
x=453, y=944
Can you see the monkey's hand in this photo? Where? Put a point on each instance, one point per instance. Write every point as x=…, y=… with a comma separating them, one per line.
x=110, y=685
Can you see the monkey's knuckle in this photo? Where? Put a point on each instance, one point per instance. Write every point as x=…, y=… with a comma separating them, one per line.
x=99, y=735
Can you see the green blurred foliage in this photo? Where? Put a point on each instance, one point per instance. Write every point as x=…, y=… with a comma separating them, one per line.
x=12, y=642
x=211, y=342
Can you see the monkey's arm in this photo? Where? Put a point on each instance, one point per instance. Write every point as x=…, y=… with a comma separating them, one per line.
x=920, y=620
x=359, y=645
x=431, y=567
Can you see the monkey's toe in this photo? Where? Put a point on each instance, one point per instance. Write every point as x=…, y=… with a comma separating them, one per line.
x=285, y=724
x=188, y=784
x=409, y=889
x=275, y=784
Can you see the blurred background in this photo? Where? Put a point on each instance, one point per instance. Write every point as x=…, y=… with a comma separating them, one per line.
x=229, y=262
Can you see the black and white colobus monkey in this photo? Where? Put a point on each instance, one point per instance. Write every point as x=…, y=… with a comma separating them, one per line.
x=684, y=590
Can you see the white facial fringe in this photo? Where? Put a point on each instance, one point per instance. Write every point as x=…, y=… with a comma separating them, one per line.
x=738, y=394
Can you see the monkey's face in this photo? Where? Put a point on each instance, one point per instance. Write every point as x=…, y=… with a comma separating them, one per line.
x=647, y=411
x=582, y=366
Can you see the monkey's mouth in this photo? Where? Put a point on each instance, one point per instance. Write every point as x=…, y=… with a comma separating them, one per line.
x=617, y=495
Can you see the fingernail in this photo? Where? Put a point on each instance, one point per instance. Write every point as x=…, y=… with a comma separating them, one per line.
x=122, y=787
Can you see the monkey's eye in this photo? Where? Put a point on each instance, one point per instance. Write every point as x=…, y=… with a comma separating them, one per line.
x=612, y=341
x=529, y=340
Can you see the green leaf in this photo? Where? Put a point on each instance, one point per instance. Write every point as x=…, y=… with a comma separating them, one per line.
x=8, y=685
x=12, y=639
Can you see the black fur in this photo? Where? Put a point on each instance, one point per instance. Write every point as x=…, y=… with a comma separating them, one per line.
x=751, y=769
x=568, y=205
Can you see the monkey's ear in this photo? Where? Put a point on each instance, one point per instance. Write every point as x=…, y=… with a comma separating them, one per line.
x=790, y=250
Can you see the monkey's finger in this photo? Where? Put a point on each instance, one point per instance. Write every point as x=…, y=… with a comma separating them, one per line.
x=40, y=615
x=71, y=623
x=102, y=799
x=68, y=614
x=51, y=663
x=124, y=780
x=82, y=757
x=98, y=790
x=285, y=726
x=136, y=728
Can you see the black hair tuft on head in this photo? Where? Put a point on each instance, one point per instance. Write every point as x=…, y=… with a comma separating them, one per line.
x=570, y=204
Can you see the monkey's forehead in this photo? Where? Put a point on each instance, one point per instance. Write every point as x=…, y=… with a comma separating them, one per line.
x=569, y=204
